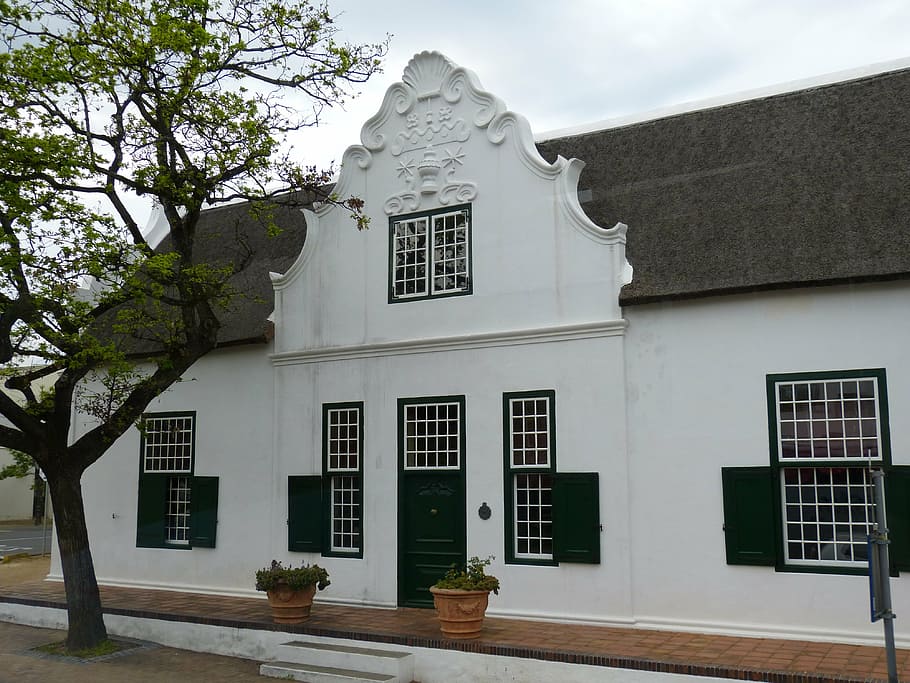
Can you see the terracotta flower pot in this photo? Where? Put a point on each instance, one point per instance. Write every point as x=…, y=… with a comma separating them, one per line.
x=460, y=612
x=291, y=606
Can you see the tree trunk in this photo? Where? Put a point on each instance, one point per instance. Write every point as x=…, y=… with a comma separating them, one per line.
x=83, y=601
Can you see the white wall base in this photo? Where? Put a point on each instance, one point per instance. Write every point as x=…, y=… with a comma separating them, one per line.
x=432, y=665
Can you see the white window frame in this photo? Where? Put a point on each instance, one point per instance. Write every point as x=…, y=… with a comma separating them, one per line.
x=343, y=477
x=530, y=458
x=435, y=256
x=829, y=435
x=419, y=446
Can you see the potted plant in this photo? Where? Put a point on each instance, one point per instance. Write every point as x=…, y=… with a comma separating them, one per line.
x=291, y=589
x=461, y=598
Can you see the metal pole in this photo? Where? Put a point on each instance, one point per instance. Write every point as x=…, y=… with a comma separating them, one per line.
x=881, y=545
x=44, y=533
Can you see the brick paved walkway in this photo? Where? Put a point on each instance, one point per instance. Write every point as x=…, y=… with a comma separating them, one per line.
x=776, y=661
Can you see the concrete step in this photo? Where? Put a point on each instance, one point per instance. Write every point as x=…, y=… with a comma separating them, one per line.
x=311, y=673
x=381, y=661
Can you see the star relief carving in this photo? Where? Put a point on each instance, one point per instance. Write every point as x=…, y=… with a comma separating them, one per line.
x=453, y=158
x=406, y=168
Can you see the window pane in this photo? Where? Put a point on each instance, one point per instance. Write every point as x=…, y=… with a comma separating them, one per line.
x=833, y=517
x=168, y=444
x=530, y=425
x=439, y=427
x=343, y=439
x=450, y=252
x=409, y=257
x=828, y=420
x=533, y=515
x=177, y=523
x=346, y=506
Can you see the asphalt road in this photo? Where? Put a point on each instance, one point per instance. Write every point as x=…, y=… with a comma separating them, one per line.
x=16, y=539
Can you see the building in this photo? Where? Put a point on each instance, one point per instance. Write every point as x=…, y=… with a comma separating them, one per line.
x=23, y=498
x=668, y=425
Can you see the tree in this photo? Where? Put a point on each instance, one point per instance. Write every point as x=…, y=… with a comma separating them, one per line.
x=187, y=103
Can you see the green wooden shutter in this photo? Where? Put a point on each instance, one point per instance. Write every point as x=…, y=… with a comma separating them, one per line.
x=897, y=507
x=305, y=514
x=152, y=509
x=576, y=517
x=203, y=512
x=749, y=522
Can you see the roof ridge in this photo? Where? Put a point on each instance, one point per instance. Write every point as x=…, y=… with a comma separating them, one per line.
x=833, y=78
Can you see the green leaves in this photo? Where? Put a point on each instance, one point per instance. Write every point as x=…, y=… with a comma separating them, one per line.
x=184, y=102
x=21, y=466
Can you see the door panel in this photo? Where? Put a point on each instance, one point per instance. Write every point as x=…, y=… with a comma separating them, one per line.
x=432, y=509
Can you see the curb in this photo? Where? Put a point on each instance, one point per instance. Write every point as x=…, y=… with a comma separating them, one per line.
x=9, y=558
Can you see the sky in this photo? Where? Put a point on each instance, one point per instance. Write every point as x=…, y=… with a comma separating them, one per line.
x=565, y=63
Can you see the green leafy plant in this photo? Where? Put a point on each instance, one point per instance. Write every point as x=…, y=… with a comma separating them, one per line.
x=277, y=575
x=472, y=577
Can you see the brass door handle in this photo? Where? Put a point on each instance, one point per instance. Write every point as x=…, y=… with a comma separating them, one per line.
x=434, y=511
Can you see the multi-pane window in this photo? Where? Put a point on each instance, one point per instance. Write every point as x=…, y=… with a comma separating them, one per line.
x=530, y=441
x=168, y=449
x=343, y=441
x=175, y=508
x=811, y=508
x=168, y=444
x=430, y=254
x=432, y=435
x=829, y=435
x=177, y=525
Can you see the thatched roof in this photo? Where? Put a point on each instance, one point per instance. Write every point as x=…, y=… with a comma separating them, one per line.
x=241, y=237
x=800, y=189
x=233, y=233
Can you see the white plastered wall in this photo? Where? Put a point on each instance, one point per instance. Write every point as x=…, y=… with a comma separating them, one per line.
x=589, y=427
x=697, y=402
x=231, y=391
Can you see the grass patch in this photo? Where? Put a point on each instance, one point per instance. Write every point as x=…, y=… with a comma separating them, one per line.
x=104, y=648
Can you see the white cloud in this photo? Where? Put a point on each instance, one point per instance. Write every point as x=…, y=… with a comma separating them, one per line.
x=568, y=63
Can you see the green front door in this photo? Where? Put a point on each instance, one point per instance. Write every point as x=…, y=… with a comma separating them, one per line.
x=431, y=494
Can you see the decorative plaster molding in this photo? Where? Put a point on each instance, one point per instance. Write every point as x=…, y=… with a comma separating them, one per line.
x=523, y=141
x=403, y=202
x=578, y=219
x=313, y=230
x=608, y=328
x=437, y=127
x=430, y=152
x=397, y=100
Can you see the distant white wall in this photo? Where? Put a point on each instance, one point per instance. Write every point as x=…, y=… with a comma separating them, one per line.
x=15, y=494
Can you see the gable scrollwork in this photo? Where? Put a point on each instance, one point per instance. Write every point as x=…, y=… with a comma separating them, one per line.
x=428, y=144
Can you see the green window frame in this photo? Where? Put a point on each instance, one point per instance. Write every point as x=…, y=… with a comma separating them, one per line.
x=176, y=509
x=325, y=511
x=430, y=254
x=810, y=509
x=551, y=516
